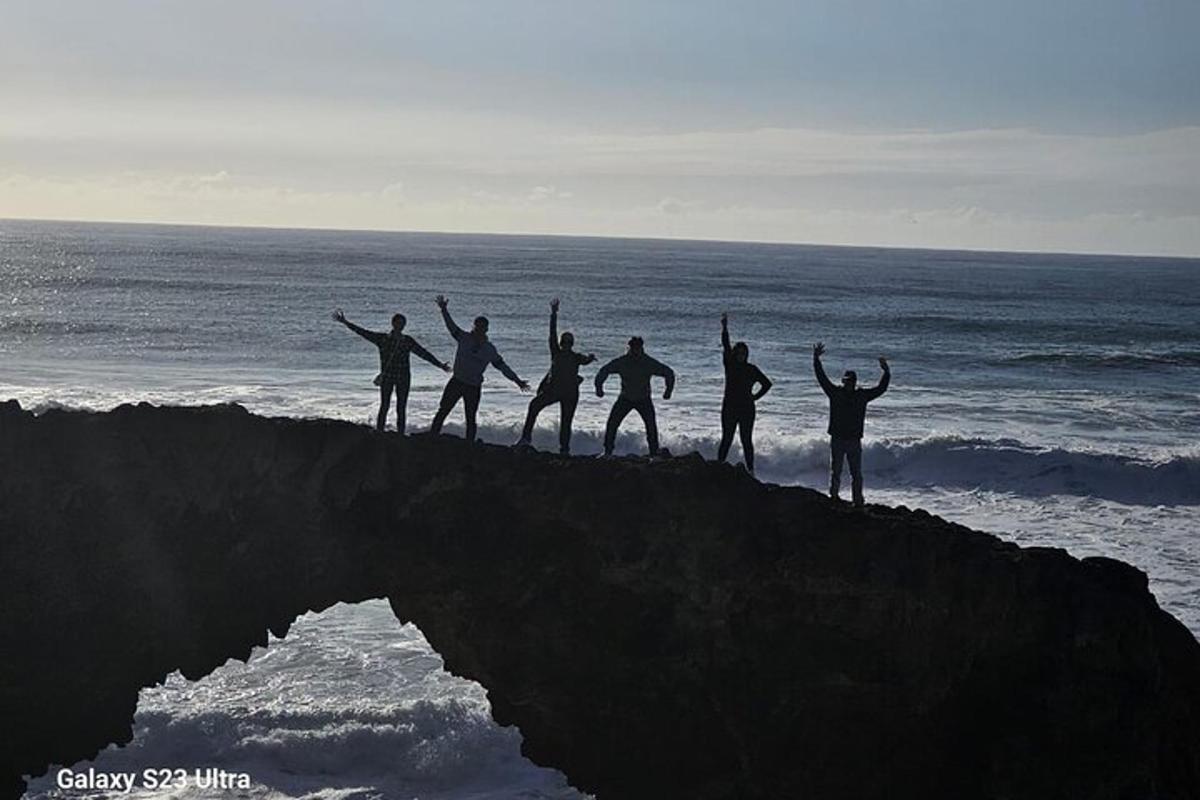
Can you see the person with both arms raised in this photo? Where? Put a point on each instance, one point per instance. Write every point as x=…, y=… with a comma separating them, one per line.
x=636, y=369
x=395, y=373
x=737, y=407
x=472, y=358
x=561, y=385
x=847, y=412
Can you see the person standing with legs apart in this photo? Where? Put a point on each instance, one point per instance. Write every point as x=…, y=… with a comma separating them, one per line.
x=737, y=406
x=636, y=369
x=473, y=356
x=561, y=385
x=395, y=372
x=847, y=411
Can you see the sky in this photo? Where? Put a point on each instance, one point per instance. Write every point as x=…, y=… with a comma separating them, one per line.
x=1023, y=125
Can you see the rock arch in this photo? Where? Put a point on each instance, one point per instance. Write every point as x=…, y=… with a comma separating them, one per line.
x=654, y=629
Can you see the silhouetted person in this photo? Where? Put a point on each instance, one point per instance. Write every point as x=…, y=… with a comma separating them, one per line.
x=847, y=411
x=635, y=368
x=561, y=384
x=395, y=373
x=737, y=407
x=473, y=356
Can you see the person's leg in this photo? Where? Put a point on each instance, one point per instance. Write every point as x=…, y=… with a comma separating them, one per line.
x=727, y=424
x=471, y=396
x=567, y=406
x=450, y=397
x=539, y=402
x=645, y=409
x=620, y=410
x=836, y=453
x=746, y=429
x=854, y=456
x=385, y=400
x=403, y=383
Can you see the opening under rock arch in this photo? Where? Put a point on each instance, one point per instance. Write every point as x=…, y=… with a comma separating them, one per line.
x=349, y=705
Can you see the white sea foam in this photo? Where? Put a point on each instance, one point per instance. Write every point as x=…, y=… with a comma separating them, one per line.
x=296, y=718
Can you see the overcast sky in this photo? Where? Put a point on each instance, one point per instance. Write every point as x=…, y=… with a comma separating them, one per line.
x=1023, y=125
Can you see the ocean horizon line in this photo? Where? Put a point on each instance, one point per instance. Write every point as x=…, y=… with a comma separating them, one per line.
x=602, y=237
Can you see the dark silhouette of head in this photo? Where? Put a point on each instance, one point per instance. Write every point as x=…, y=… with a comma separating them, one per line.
x=567, y=340
x=741, y=352
x=637, y=346
x=480, y=328
x=849, y=379
x=398, y=322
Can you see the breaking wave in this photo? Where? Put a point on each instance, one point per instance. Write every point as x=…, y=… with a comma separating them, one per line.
x=998, y=465
x=1005, y=465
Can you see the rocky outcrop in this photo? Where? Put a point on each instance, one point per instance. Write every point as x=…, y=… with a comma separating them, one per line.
x=655, y=629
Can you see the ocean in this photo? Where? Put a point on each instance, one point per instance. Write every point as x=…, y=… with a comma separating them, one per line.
x=1050, y=399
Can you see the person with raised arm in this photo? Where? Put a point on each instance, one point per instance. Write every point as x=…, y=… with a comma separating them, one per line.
x=738, y=404
x=395, y=372
x=561, y=385
x=636, y=369
x=847, y=412
x=475, y=353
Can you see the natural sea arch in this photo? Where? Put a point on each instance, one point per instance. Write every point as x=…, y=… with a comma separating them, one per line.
x=654, y=628
x=348, y=702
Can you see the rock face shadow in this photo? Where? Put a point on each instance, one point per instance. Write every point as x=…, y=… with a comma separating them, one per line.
x=654, y=628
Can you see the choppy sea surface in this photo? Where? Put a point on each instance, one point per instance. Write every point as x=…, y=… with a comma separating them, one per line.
x=1051, y=399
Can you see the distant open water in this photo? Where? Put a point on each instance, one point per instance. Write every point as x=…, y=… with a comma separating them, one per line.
x=1054, y=400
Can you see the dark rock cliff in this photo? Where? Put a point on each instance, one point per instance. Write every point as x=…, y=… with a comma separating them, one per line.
x=669, y=629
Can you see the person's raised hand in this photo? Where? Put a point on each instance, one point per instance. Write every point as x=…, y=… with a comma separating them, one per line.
x=819, y=349
x=724, y=319
x=339, y=316
x=441, y=301
x=554, y=305
x=445, y=367
x=883, y=365
x=523, y=386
